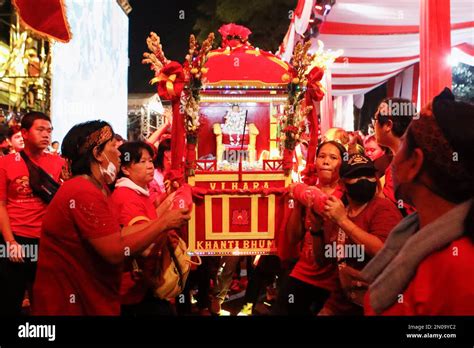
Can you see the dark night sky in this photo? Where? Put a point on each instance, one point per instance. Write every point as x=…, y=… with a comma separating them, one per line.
x=162, y=18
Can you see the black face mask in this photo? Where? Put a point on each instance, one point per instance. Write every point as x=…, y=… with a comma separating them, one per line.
x=362, y=191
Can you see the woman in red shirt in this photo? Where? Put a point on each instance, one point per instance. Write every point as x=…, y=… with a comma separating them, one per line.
x=134, y=206
x=358, y=232
x=82, y=247
x=425, y=267
x=310, y=284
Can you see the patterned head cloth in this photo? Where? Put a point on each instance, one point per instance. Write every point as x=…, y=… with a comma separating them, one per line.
x=439, y=133
x=96, y=138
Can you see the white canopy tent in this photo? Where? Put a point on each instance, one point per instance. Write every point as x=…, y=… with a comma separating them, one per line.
x=381, y=43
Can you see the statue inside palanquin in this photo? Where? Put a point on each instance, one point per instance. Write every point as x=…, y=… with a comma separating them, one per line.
x=234, y=125
x=235, y=138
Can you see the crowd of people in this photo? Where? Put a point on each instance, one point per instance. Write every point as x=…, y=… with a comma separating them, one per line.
x=86, y=230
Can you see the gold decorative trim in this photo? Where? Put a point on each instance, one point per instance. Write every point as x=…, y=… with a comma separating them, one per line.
x=213, y=177
x=191, y=229
x=263, y=177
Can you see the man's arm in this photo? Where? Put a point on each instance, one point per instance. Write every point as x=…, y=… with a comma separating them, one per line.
x=5, y=223
x=7, y=233
x=372, y=243
x=155, y=137
x=114, y=247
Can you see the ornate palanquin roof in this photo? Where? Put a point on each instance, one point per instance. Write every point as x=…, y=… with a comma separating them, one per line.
x=245, y=66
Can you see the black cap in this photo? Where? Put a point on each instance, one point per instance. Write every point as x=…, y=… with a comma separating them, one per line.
x=356, y=166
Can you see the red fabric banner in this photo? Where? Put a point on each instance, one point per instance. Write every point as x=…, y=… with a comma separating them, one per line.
x=435, y=47
x=313, y=96
x=45, y=18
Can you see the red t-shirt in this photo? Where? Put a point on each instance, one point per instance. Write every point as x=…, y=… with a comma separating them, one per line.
x=128, y=205
x=25, y=210
x=443, y=284
x=72, y=278
x=378, y=218
x=307, y=270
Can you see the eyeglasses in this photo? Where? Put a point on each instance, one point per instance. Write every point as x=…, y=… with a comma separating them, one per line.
x=374, y=120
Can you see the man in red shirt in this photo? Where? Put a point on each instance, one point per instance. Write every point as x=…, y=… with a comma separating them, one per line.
x=425, y=267
x=390, y=123
x=21, y=212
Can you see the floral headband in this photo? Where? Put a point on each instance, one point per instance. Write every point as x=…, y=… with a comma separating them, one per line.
x=97, y=138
